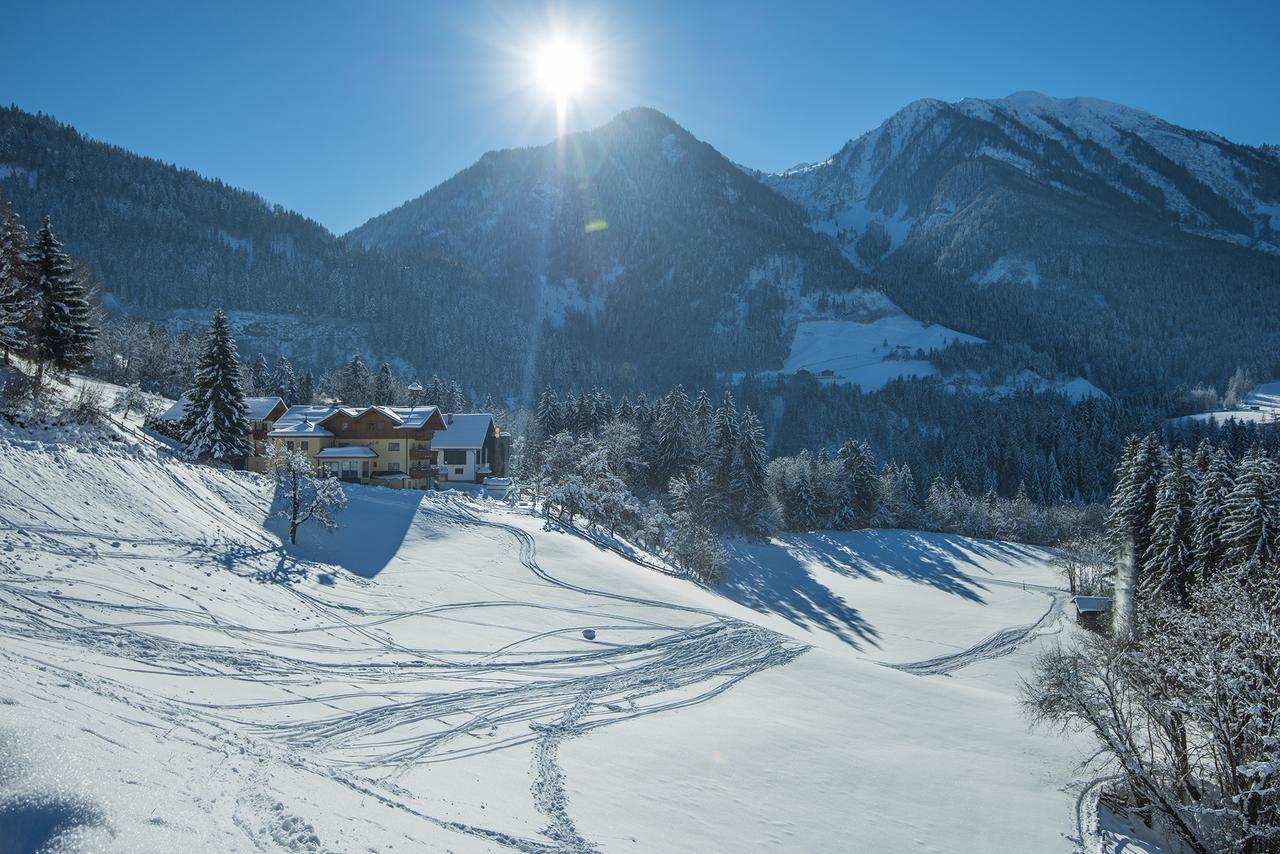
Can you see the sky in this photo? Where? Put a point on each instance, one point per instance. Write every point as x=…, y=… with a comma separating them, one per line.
x=343, y=110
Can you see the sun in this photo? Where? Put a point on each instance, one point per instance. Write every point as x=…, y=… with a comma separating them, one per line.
x=562, y=69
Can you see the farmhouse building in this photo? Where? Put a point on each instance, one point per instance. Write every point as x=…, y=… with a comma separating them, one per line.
x=470, y=448
x=401, y=447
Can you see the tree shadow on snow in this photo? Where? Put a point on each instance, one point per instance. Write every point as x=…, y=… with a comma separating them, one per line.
x=769, y=580
x=778, y=577
x=32, y=823
x=371, y=529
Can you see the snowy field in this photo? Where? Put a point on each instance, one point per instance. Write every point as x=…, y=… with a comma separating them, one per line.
x=855, y=352
x=171, y=677
x=1260, y=406
x=875, y=353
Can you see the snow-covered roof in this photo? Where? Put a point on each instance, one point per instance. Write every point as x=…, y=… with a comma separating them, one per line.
x=354, y=452
x=463, y=431
x=412, y=418
x=305, y=427
x=401, y=417
x=1092, y=604
x=259, y=408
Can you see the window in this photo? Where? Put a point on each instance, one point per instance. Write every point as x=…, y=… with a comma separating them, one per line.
x=455, y=457
x=345, y=425
x=343, y=444
x=288, y=446
x=393, y=446
x=393, y=467
x=459, y=471
x=304, y=444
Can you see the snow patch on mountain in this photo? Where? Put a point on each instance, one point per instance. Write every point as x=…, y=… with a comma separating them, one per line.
x=557, y=299
x=1008, y=268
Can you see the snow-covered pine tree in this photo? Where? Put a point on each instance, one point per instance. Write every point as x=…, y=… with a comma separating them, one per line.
x=216, y=423
x=548, y=414
x=1170, y=554
x=897, y=497
x=939, y=508
x=284, y=384
x=602, y=407
x=800, y=510
x=384, y=386
x=64, y=331
x=18, y=296
x=1251, y=524
x=458, y=400
x=1133, y=501
x=724, y=441
x=748, y=499
x=260, y=380
x=356, y=386
x=860, y=481
x=700, y=439
x=306, y=388
x=672, y=449
x=437, y=393
x=1215, y=483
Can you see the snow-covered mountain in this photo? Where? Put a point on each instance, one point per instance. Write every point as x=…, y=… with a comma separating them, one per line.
x=635, y=242
x=1124, y=249
x=931, y=159
x=172, y=676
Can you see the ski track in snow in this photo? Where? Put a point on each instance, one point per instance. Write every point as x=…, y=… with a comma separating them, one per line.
x=996, y=645
x=366, y=715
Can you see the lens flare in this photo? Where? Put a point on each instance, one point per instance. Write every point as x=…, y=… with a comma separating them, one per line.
x=562, y=69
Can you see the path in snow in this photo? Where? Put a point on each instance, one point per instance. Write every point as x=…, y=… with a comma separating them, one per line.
x=999, y=644
x=342, y=695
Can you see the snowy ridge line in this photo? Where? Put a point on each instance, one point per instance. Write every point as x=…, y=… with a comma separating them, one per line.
x=999, y=644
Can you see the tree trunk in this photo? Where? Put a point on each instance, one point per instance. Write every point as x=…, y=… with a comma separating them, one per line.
x=1123, y=615
x=293, y=512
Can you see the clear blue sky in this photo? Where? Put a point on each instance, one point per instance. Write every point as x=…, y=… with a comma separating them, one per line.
x=342, y=110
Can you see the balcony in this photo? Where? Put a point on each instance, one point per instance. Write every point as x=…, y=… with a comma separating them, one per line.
x=421, y=452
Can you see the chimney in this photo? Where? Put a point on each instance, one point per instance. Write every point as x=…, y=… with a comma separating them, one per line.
x=449, y=418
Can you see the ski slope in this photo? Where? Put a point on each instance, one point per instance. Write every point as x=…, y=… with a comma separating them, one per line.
x=171, y=677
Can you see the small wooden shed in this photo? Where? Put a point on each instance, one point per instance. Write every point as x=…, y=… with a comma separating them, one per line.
x=1093, y=612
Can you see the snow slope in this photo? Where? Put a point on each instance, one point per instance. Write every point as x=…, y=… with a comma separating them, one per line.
x=1260, y=406
x=856, y=351
x=170, y=676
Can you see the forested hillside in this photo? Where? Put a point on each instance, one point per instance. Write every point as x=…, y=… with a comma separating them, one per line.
x=648, y=256
x=162, y=239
